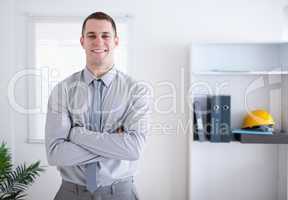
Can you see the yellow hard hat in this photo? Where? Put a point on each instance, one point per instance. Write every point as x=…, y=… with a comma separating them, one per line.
x=258, y=118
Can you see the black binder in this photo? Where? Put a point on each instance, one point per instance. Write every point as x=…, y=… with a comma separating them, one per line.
x=219, y=118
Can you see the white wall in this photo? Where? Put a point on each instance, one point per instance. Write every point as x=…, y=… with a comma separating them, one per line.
x=162, y=32
x=6, y=63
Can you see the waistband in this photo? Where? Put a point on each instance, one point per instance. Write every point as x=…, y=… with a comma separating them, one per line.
x=117, y=187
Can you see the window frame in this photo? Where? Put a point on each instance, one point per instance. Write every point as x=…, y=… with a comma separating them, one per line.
x=31, y=62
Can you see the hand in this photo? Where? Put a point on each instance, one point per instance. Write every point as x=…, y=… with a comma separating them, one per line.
x=120, y=130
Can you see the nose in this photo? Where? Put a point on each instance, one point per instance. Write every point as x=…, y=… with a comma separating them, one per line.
x=98, y=40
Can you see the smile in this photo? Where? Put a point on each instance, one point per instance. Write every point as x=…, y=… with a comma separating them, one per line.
x=99, y=50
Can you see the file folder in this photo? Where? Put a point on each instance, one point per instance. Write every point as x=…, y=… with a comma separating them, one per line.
x=219, y=118
x=200, y=118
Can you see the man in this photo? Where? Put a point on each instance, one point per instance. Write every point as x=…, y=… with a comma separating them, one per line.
x=97, y=121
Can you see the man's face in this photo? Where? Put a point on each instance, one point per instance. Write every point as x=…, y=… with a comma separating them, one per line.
x=99, y=41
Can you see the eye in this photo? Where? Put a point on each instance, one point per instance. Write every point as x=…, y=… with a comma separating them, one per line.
x=91, y=36
x=106, y=36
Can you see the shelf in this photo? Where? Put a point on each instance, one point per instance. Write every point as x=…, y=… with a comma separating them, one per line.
x=276, y=138
x=239, y=58
x=236, y=73
x=235, y=69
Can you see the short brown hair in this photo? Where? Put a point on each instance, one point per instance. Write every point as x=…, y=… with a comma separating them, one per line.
x=100, y=16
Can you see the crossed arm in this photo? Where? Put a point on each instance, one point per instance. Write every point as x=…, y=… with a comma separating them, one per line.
x=86, y=146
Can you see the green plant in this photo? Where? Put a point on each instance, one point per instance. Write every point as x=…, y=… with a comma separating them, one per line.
x=14, y=182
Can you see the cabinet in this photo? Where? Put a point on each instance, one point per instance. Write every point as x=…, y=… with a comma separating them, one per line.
x=255, y=74
x=239, y=58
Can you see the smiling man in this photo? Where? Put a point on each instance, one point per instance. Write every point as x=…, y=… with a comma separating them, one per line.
x=99, y=38
x=97, y=121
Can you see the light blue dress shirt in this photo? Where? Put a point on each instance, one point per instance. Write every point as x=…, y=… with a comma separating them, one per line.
x=72, y=140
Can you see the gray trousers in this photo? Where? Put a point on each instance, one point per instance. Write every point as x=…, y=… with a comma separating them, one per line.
x=119, y=191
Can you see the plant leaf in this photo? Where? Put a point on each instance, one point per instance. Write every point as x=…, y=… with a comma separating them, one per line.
x=13, y=183
x=5, y=161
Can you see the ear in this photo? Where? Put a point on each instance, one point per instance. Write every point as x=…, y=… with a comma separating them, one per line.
x=116, y=41
x=82, y=41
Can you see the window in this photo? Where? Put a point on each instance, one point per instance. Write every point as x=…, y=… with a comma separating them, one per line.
x=54, y=54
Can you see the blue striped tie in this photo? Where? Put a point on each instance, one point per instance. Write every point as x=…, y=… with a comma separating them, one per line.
x=91, y=169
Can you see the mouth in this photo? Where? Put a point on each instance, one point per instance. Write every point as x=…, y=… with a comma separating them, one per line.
x=99, y=50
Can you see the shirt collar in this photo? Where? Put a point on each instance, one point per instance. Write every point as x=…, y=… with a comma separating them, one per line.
x=106, y=78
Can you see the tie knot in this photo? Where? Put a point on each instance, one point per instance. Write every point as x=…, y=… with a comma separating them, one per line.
x=98, y=82
x=99, y=85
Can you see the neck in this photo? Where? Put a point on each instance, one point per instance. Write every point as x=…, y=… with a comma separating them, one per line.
x=99, y=70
